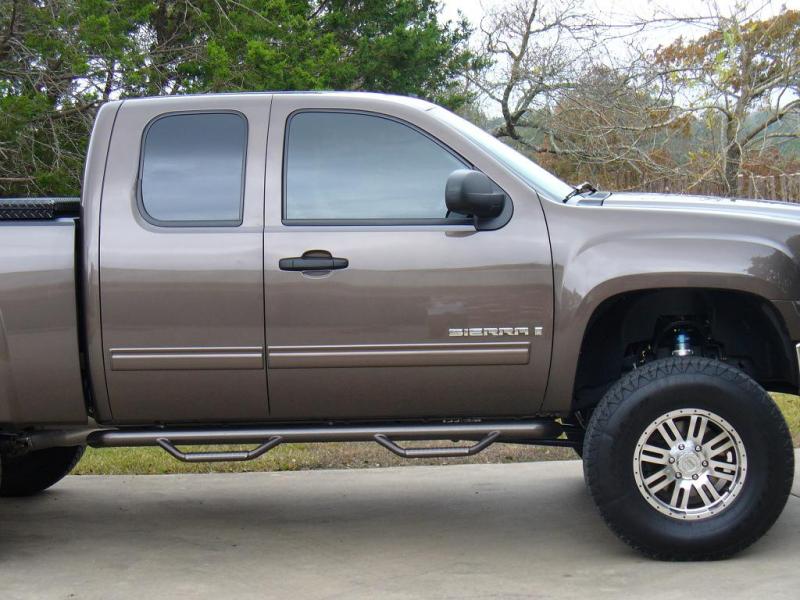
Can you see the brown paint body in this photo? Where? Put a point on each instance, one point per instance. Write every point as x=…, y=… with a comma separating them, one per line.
x=198, y=324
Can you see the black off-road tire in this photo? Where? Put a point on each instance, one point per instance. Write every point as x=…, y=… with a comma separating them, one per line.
x=644, y=396
x=34, y=472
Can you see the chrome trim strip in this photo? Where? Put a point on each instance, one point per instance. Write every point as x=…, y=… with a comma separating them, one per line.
x=194, y=358
x=399, y=355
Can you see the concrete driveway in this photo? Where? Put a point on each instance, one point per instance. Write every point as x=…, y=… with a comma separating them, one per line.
x=473, y=531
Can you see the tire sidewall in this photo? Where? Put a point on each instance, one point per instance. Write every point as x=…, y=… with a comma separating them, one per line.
x=614, y=487
x=36, y=471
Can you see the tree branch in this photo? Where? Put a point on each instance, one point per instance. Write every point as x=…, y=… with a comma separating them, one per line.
x=774, y=118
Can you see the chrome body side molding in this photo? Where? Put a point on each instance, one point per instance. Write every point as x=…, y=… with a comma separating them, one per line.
x=399, y=355
x=168, y=359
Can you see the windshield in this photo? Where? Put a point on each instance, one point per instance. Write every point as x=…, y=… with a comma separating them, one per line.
x=537, y=177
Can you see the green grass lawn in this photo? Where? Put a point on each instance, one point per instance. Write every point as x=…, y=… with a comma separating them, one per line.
x=790, y=407
x=293, y=457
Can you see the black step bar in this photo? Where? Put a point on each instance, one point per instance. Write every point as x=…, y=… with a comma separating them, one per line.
x=437, y=452
x=231, y=456
x=485, y=433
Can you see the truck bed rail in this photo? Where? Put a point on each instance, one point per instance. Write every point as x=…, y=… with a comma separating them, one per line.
x=38, y=209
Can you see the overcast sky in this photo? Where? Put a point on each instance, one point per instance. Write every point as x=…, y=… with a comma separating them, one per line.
x=624, y=11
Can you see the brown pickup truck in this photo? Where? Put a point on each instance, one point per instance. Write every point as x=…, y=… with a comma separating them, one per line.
x=265, y=268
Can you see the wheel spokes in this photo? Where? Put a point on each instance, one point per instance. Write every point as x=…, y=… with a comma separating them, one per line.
x=678, y=470
x=697, y=428
x=719, y=444
x=684, y=504
x=707, y=492
x=723, y=448
x=655, y=455
x=669, y=431
x=676, y=492
x=722, y=470
x=702, y=495
x=659, y=480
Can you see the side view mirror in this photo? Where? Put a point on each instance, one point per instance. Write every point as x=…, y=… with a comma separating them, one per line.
x=473, y=194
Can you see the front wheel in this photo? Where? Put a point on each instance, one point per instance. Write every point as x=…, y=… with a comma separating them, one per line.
x=688, y=459
x=31, y=473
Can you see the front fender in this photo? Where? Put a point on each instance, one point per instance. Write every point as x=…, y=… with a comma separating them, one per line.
x=600, y=253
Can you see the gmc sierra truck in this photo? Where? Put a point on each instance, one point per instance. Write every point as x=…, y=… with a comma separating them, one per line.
x=268, y=268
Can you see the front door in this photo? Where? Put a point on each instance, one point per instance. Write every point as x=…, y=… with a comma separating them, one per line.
x=181, y=251
x=422, y=315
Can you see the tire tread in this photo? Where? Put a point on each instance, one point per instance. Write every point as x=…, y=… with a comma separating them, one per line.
x=755, y=525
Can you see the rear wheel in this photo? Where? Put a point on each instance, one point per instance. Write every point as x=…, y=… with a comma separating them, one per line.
x=31, y=473
x=688, y=459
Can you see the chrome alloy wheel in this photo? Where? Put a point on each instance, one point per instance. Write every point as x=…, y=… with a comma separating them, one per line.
x=690, y=464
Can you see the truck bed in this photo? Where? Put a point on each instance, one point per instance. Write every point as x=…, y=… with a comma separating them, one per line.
x=40, y=378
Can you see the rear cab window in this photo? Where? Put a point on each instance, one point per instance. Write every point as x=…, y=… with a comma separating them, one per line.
x=192, y=169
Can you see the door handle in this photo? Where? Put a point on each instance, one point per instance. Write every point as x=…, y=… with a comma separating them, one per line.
x=313, y=260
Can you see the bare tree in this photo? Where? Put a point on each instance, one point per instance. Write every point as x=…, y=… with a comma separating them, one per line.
x=618, y=128
x=595, y=100
x=576, y=92
x=744, y=77
x=533, y=50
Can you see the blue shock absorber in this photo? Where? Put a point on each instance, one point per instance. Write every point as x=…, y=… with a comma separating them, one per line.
x=682, y=345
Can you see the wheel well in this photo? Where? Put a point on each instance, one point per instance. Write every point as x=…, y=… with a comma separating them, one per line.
x=630, y=329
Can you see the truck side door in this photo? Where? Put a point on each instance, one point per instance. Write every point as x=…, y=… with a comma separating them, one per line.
x=181, y=250
x=417, y=314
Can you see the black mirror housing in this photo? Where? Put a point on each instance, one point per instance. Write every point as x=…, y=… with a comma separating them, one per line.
x=472, y=193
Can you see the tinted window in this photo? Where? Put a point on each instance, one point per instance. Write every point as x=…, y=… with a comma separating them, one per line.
x=355, y=166
x=192, y=168
x=533, y=174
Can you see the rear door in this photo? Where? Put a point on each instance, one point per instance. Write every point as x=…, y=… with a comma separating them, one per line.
x=181, y=251
x=422, y=316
